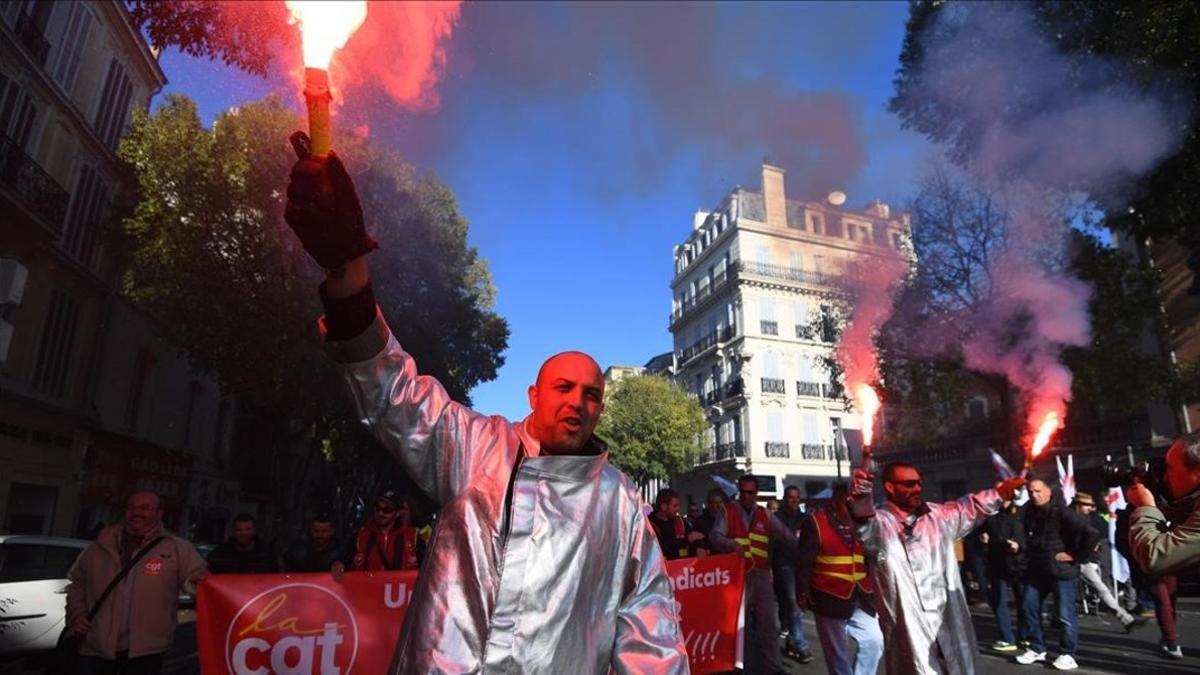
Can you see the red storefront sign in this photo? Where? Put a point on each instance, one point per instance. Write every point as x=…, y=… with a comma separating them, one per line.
x=120, y=465
x=309, y=624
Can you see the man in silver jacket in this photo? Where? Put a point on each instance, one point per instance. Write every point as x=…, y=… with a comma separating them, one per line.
x=918, y=591
x=542, y=560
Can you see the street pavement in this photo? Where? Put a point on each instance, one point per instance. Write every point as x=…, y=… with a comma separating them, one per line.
x=1103, y=648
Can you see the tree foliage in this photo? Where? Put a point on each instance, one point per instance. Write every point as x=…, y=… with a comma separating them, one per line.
x=242, y=33
x=212, y=261
x=653, y=426
x=1160, y=41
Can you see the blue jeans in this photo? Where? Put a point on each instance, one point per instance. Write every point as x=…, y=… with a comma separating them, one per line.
x=833, y=633
x=787, y=599
x=1037, y=587
x=998, y=599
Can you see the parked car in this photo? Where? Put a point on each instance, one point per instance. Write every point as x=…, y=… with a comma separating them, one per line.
x=33, y=589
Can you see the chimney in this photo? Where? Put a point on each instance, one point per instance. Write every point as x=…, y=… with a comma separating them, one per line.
x=774, y=200
x=879, y=209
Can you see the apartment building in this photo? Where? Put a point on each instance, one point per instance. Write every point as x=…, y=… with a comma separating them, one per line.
x=92, y=403
x=755, y=314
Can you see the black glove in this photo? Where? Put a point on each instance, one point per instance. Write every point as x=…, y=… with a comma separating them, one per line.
x=323, y=209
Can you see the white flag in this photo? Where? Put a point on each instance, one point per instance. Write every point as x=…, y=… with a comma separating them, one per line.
x=1115, y=500
x=1066, y=478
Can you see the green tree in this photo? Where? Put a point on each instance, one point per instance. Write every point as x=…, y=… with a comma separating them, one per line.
x=242, y=33
x=654, y=428
x=211, y=260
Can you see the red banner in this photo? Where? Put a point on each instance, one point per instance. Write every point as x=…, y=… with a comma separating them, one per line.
x=308, y=624
x=709, y=594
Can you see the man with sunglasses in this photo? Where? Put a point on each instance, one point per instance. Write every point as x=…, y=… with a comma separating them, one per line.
x=389, y=541
x=745, y=527
x=542, y=560
x=919, y=594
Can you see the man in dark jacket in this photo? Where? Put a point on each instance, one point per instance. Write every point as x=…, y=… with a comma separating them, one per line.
x=318, y=551
x=675, y=536
x=243, y=552
x=790, y=613
x=714, y=504
x=1058, y=539
x=1090, y=567
x=1004, y=536
x=832, y=579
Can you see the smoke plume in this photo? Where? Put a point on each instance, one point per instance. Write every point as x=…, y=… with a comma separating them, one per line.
x=1036, y=125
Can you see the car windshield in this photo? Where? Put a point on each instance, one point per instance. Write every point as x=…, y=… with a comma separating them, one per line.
x=33, y=562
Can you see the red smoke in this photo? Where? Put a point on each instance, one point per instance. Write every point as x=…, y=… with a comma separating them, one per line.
x=873, y=279
x=401, y=48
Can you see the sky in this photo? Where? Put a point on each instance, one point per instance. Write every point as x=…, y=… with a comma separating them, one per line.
x=580, y=139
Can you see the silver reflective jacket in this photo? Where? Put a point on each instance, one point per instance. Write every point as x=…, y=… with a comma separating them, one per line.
x=538, y=564
x=918, y=590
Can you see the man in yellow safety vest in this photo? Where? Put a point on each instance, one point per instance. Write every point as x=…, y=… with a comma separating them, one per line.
x=745, y=527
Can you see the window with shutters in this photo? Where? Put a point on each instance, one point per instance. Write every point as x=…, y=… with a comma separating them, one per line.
x=70, y=46
x=113, y=112
x=89, y=207
x=53, y=366
x=17, y=112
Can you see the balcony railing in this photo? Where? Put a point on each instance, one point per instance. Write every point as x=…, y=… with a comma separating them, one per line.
x=815, y=389
x=732, y=388
x=816, y=451
x=720, y=335
x=805, y=332
x=35, y=188
x=776, y=449
x=701, y=295
x=31, y=37
x=768, y=327
x=771, y=385
x=730, y=450
x=781, y=272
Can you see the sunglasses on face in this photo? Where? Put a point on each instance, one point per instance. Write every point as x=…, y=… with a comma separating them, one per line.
x=907, y=483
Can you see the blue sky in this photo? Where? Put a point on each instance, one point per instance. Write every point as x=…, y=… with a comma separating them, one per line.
x=580, y=144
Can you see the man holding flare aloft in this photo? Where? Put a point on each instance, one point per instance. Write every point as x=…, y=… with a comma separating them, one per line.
x=922, y=607
x=542, y=560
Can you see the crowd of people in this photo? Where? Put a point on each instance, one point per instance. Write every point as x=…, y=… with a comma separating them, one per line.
x=544, y=560
x=898, y=570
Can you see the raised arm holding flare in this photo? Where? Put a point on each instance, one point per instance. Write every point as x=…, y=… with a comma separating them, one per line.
x=542, y=560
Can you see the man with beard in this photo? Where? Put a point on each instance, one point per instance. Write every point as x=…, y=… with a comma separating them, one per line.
x=389, y=541
x=714, y=505
x=674, y=535
x=320, y=551
x=135, y=625
x=542, y=560
x=244, y=552
x=922, y=607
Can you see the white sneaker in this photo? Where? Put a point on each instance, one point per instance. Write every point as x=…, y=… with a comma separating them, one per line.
x=1065, y=662
x=1031, y=656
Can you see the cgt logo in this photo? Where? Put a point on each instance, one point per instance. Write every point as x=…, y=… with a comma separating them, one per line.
x=292, y=629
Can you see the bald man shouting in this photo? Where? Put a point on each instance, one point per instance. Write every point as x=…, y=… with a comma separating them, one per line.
x=542, y=560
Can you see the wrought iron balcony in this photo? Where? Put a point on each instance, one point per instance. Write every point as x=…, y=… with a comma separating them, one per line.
x=772, y=385
x=768, y=327
x=815, y=451
x=805, y=332
x=809, y=388
x=719, y=279
x=720, y=335
x=730, y=450
x=783, y=273
x=34, y=188
x=732, y=388
x=777, y=449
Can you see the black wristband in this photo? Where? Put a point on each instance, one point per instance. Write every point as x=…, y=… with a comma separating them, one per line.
x=348, y=317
